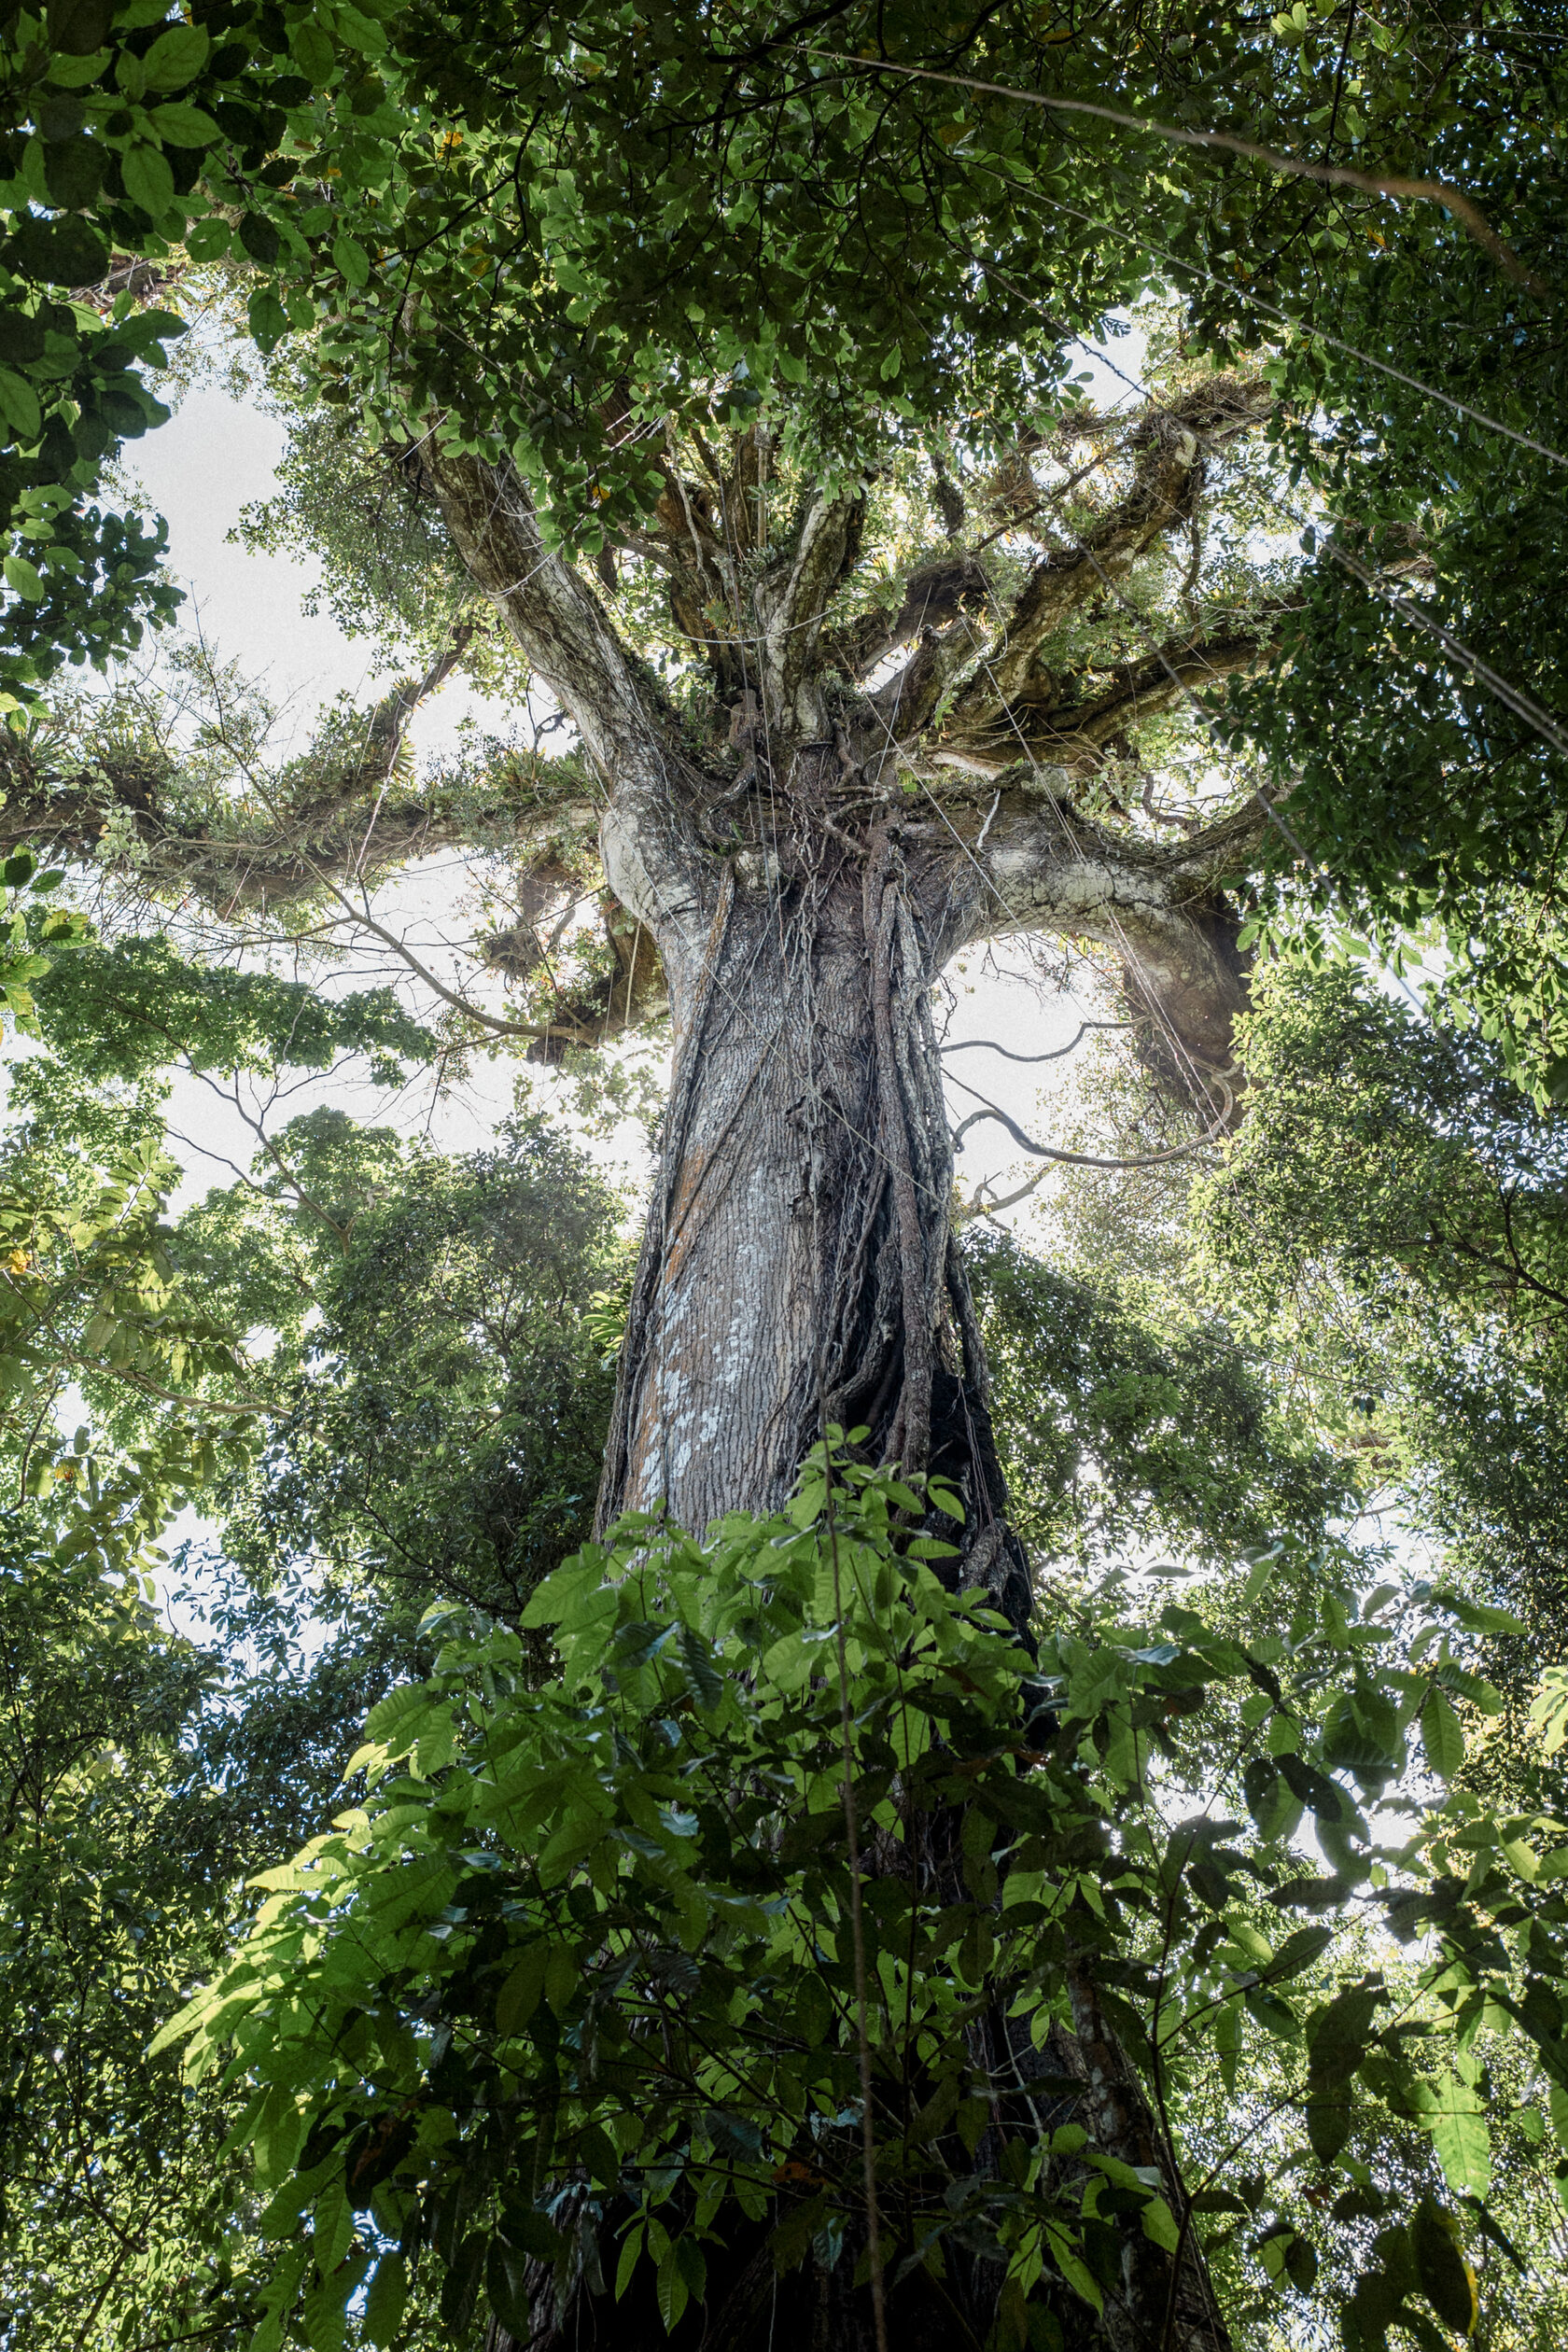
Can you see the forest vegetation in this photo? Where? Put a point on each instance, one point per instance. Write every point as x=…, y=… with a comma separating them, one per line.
x=832, y=1755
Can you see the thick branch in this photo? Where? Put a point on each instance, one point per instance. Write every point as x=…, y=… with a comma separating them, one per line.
x=935, y=595
x=1076, y=731
x=1041, y=866
x=1169, y=447
x=566, y=639
x=793, y=597
x=352, y=812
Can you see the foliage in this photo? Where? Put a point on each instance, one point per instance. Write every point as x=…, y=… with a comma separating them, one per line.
x=576, y=1985
x=126, y=139
x=138, y=1005
x=1419, y=735
x=113, y=2197
x=1123, y=1425
x=442, y=1396
x=1392, y=1218
x=27, y=931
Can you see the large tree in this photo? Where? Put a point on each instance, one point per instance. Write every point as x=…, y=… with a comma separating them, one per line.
x=721, y=348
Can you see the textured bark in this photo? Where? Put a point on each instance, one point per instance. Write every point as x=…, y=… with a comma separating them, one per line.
x=796, y=1270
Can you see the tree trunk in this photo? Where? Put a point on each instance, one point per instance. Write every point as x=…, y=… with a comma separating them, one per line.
x=798, y=1268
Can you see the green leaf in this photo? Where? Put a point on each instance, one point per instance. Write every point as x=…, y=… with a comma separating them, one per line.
x=352, y=259
x=384, y=2304
x=558, y=1598
x=796, y=2229
x=1301, y=2265
x=148, y=180
x=1160, y=2224
x=518, y=1997
x=1361, y=1735
x=361, y=31
x=269, y=322
x=1270, y=1800
x=1072, y=2267
x=208, y=240
x=79, y=28
x=706, y=1685
x=1453, y=2115
x=460, y=2288
x=505, y=2284
x=1442, y=1737
x=325, y=2312
x=182, y=125
x=277, y=2137
x=1338, y=2035
x=561, y=1974
x=1446, y=2278
x=259, y=239
x=669, y=2286
x=1227, y=2042
x=21, y=576
x=1328, y=2125
x=19, y=404
x=176, y=57
x=1476, y=1616
x=73, y=172
x=59, y=252
x=1296, y=1952
x=312, y=51
x=533, y=2232
x=598, y=2150
x=631, y=2250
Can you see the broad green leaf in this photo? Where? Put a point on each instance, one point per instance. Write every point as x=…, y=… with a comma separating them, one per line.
x=385, y=2302
x=1453, y=2115
x=1337, y=2037
x=631, y=2250
x=520, y=1994
x=1478, y=1616
x=1446, y=2278
x=312, y=51
x=1442, y=1738
x=176, y=57
x=1328, y=2125
x=670, y=2288
x=148, y=180
x=1160, y=2224
x=352, y=259
x=505, y=2284
x=21, y=575
x=181, y=125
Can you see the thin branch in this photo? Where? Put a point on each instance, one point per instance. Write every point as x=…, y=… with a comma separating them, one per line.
x=1453, y=200
x=1084, y=1159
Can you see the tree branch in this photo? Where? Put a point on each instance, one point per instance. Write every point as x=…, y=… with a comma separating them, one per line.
x=1454, y=201
x=1074, y=733
x=565, y=637
x=791, y=598
x=1169, y=447
x=1157, y=908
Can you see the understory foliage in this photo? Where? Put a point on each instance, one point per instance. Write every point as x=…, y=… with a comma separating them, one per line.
x=580, y=1973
